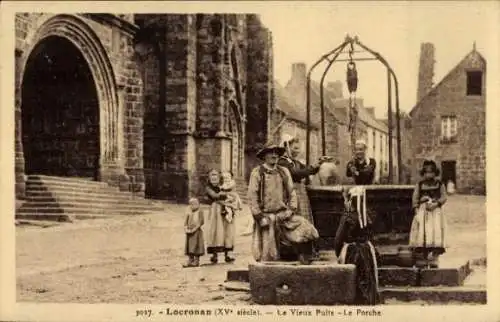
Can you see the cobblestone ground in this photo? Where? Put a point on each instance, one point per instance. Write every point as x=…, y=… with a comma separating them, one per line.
x=139, y=259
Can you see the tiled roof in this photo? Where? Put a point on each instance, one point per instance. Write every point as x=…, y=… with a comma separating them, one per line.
x=335, y=107
x=433, y=89
x=340, y=105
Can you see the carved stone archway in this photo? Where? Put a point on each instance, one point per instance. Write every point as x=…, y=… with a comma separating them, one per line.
x=81, y=35
x=235, y=127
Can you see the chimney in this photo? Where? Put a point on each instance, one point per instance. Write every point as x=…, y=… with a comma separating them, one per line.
x=371, y=111
x=299, y=73
x=296, y=86
x=425, y=70
x=336, y=89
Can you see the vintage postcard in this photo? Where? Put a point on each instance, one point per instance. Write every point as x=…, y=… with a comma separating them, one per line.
x=250, y=160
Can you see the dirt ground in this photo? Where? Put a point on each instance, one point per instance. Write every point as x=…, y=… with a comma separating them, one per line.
x=139, y=259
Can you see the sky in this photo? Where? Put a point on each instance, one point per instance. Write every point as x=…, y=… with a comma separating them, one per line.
x=303, y=32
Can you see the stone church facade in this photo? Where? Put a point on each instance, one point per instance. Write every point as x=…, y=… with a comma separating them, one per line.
x=149, y=103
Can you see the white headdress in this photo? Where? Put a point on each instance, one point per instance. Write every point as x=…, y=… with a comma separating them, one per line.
x=360, y=193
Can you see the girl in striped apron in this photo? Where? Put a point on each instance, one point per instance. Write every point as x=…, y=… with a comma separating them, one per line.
x=428, y=227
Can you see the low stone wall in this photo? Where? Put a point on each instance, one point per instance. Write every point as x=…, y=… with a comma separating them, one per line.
x=389, y=206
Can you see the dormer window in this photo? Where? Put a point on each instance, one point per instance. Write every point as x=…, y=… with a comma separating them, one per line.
x=474, y=83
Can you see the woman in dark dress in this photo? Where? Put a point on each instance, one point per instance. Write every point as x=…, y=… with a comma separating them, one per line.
x=353, y=246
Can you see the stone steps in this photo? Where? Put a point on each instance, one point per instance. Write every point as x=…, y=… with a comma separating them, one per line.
x=62, y=188
x=81, y=209
x=64, y=180
x=96, y=203
x=436, y=294
x=58, y=217
x=447, y=284
x=49, y=195
x=396, y=276
x=430, y=295
x=63, y=199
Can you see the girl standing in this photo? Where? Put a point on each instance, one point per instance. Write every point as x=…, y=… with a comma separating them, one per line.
x=428, y=226
x=220, y=232
x=194, y=235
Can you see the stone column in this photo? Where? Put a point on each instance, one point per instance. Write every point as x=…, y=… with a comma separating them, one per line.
x=180, y=107
x=110, y=167
x=212, y=143
x=20, y=185
x=259, y=98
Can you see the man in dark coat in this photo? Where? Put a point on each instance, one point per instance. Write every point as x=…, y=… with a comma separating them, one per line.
x=361, y=168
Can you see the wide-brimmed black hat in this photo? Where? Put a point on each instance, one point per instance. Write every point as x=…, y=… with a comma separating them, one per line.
x=268, y=148
x=429, y=164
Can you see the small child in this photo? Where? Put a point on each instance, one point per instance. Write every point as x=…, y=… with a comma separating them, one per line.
x=194, y=234
x=233, y=202
x=428, y=226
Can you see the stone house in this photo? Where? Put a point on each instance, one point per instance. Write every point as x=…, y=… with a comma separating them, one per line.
x=296, y=91
x=448, y=121
x=290, y=119
x=143, y=102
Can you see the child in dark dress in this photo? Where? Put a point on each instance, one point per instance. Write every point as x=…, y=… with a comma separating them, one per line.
x=194, y=234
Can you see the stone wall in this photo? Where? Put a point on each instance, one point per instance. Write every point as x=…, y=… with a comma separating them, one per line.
x=468, y=150
x=180, y=105
x=170, y=72
x=259, y=89
x=179, y=94
x=106, y=43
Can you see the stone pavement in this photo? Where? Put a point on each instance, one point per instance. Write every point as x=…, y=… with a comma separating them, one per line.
x=130, y=259
x=123, y=259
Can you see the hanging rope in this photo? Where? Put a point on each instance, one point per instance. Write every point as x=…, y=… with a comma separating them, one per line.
x=352, y=85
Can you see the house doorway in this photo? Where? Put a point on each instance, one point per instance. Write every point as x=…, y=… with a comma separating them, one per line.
x=449, y=172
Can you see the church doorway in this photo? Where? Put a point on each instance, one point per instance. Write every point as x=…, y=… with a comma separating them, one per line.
x=60, y=112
